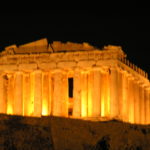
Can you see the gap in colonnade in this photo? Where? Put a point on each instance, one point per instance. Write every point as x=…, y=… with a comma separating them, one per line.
x=70, y=95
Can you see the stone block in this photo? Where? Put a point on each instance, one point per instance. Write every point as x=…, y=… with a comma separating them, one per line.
x=69, y=64
x=27, y=67
x=47, y=66
x=86, y=63
x=8, y=67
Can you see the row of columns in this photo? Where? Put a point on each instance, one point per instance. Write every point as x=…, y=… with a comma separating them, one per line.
x=25, y=94
x=131, y=99
x=111, y=93
x=91, y=93
x=115, y=94
x=34, y=93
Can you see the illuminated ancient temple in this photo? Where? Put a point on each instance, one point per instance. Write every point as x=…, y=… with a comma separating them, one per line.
x=72, y=80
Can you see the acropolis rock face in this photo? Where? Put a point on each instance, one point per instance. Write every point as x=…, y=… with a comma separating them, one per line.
x=73, y=80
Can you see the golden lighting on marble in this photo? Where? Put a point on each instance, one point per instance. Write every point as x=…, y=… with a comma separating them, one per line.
x=34, y=81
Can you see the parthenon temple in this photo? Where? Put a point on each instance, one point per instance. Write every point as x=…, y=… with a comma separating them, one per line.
x=72, y=80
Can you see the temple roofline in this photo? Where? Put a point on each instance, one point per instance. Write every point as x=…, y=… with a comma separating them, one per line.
x=42, y=45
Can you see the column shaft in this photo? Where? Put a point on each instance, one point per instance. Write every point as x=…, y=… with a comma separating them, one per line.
x=45, y=93
x=27, y=102
x=105, y=95
x=147, y=106
x=3, y=96
x=131, y=101
x=114, y=110
x=18, y=94
x=90, y=91
x=84, y=95
x=124, y=97
x=137, y=103
x=38, y=93
x=10, y=94
x=142, y=105
x=96, y=93
x=120, y=94
x=77, y=94
x=64, y=91
x=57, y=95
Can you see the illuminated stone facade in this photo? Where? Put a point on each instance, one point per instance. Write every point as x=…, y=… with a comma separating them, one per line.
x=73, y=80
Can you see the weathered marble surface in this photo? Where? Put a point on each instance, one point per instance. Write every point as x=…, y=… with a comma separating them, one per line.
x=106, y=84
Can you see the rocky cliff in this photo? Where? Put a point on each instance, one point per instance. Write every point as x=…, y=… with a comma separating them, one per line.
x=54, y=133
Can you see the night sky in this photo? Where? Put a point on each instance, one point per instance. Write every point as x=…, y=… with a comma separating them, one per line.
x=129, y=31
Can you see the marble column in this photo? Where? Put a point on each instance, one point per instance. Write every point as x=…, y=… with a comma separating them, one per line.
x=147, y=106
x=120, y=93
x=27, y=101
x=18, y=93
x=57, y=93
x=131, y=100
x=124, y=109
x=96, y=97
x=10, y=93
x=3, y=91
x=77, y=94
x=84, y=94
x=137, y=103
x=104, y=94
x=107, y=95
x=38, y=93
x=46, y=101
x=142, y=105
x=148, y=115
x=64, y=91
x=90, y=91
x=114, y=104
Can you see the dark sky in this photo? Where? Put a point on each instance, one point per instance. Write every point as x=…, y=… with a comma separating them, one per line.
x=129, y=31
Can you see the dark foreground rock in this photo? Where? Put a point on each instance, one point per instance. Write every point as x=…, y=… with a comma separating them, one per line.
x=54, y=133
